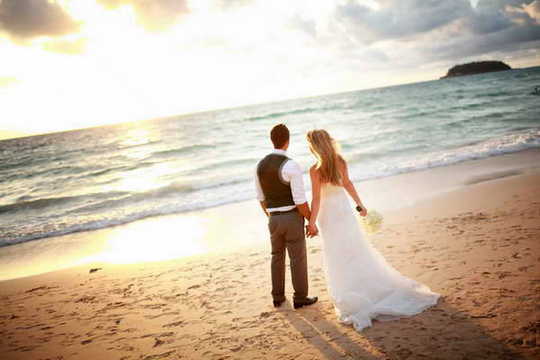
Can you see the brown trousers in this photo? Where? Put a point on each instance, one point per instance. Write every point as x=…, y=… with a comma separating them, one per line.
x=287, y=232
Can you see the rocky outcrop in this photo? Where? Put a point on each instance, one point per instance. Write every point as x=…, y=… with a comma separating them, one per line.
x=476, y=68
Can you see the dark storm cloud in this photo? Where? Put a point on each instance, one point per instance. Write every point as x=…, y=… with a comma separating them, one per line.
x=24, y=19
x=152, y=14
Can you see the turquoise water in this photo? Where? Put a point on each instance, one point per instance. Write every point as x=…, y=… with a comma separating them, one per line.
x=93, y=178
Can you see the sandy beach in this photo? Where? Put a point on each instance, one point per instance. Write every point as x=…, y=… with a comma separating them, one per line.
x=478, y=245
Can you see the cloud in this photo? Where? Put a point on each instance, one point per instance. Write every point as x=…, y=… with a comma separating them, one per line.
x=487, y=33
x=501, y=24
x=525, y=13
x=25, y=19
x=496, y=15
x=505, y=41
x=533, y=10
x=72, y=47
x=486, y=20
x=395, y=19
x=306, y=25
x=398, y=18
x=154, y=15
x=226, y=4
x=411, y=32
x=487, y=5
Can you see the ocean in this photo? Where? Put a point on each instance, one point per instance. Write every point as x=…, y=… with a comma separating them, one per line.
x=94, y=178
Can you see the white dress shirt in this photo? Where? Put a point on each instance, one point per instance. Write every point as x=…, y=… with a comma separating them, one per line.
x=291, y=172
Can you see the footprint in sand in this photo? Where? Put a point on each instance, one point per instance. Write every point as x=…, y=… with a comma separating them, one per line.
x=174, y=324
x=158, y=342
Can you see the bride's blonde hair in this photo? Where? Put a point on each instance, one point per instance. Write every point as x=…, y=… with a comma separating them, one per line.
x=326, y=150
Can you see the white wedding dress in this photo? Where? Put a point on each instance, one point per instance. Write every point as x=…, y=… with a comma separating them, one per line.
x=362, y=285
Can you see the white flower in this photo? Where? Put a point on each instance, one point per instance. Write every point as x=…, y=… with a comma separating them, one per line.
x=371, y=223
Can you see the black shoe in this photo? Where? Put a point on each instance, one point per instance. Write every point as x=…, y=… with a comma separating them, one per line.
x=306, y=302
x=278, y=303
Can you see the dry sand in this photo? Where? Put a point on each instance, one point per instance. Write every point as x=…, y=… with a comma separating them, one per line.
x=478, y=246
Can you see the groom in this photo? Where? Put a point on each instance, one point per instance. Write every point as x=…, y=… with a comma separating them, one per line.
x=280, y=190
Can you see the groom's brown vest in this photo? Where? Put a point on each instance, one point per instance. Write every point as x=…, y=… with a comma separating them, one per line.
x=277, y=192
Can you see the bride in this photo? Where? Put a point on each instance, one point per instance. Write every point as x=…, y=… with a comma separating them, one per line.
x=361, y=284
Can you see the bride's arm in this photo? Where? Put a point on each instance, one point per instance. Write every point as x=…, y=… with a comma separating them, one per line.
x=349, y=186
x=315, y=196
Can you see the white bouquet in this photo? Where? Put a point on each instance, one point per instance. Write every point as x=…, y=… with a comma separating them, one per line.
x=371, y=223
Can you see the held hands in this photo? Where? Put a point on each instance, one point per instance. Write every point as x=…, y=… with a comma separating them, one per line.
x=311, y=230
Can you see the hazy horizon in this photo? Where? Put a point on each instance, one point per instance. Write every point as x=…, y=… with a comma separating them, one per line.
x=13, y=135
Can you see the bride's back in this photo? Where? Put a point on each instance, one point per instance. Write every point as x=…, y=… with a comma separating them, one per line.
x=341, y=174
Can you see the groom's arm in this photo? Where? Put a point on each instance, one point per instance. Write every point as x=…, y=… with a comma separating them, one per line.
x=260, y=195
x=263, y=206
x=295, y=177
x=304, y=210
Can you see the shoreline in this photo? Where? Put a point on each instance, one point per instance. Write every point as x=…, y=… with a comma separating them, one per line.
x=122, y=221
x=201, y=231
x=477, y=246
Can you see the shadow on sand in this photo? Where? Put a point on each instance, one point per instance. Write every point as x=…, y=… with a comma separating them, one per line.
x=441, y=332
x=326, y=336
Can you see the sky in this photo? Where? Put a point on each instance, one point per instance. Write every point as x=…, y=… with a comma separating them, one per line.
x=70, y=64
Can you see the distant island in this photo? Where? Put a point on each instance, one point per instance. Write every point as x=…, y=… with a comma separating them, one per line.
x=476, y=68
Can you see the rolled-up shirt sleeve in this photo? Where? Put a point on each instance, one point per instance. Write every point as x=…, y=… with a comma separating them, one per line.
x=258, y=189
x=292, y=172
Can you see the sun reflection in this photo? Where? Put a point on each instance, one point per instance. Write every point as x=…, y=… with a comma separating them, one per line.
x=156, y=240
x=142, y=180
x=136, y=145
x=137, y=134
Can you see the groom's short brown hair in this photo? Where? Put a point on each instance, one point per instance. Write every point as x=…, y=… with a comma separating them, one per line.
x=279, y=135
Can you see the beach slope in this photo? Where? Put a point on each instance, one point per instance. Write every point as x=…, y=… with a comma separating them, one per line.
x=479, y=246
